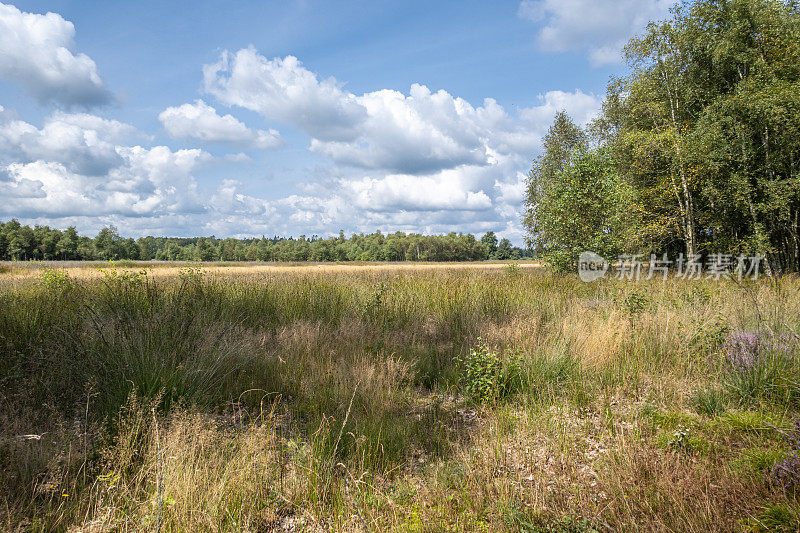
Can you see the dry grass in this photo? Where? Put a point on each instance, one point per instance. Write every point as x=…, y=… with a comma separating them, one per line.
x=94, y=269
x=328, y=397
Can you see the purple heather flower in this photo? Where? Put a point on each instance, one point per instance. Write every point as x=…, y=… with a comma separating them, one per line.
x=786, y=473
x=743, y=349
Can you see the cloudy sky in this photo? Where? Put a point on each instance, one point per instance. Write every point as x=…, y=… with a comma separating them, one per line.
x=289, y=118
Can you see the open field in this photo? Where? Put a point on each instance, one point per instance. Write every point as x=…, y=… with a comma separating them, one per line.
x=401, y=397
x=96, y=269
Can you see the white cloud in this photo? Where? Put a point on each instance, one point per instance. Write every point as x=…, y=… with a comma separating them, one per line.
x=580, y=106
x=417, y=161
x=83, y=143
x=228, y=201
x=37, y=51
x=150, y=182
x=199, y=121
x=383, y=129
x=163, y=178
x=238, y=158
x=78, y=165
x=282, y=89
x=418, y=133
x=599, y=27
x=447, y=190
x=21, y=188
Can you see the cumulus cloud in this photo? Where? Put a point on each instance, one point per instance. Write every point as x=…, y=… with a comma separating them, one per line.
x=599, y=27
x=422, y=160
x=79, y=165
x=284, y=90
x=37, y=51
x=227, y=200
x=398, y=192
x=82, y=143
x=418, y=133
x=580, y=106
x=199, y=121
x=240, y=157
x=149, y=182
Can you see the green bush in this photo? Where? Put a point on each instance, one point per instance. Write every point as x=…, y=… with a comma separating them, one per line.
x=488, y=375
x=635, y=302
x=54, y=278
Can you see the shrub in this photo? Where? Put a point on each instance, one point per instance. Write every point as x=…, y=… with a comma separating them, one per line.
x=54, y=278
x=711, y=335
x=489, y=376
x=635, y=302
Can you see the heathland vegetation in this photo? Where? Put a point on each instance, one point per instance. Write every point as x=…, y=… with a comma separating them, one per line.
x=470, y=397
x=499, y=398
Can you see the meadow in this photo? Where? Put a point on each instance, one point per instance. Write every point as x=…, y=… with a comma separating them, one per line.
x=395, y=398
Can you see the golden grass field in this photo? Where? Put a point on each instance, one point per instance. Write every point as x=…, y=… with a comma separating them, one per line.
x=402, y=397
x=94, y=269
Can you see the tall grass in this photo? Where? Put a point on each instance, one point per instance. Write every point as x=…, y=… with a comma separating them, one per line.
x=352, y=400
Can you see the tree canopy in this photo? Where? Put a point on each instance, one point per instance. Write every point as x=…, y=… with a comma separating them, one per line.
x=696, y=150
x=21, y=242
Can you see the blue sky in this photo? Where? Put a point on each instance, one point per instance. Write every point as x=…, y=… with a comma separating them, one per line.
x=289, y=118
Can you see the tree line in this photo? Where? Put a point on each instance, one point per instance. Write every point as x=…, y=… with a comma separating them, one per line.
x=696, y=150
x=21, y=242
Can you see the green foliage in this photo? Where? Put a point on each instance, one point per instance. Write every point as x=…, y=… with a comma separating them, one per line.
x=635, y=302
x=709, y=402
x=575, y=201
x=754, y=461
x=782, y=518
x=770, y=375
x=18, y=242
x=696, y=148
x=680, y=440
x=513, y=269
x=54, y=279
x=489, y=376
x=489, y=240
x=705, y=128
x=711, y=335
x=567, y=524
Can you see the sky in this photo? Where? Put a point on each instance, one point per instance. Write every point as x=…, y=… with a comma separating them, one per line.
x=295, y=117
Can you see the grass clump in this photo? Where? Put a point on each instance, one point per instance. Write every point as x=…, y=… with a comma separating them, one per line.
x=762, y=366
x=709, y=401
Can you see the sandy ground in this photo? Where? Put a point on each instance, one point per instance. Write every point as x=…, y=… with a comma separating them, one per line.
x=94, y=269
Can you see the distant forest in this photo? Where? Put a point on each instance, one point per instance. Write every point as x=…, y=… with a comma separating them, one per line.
x=20, y=242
